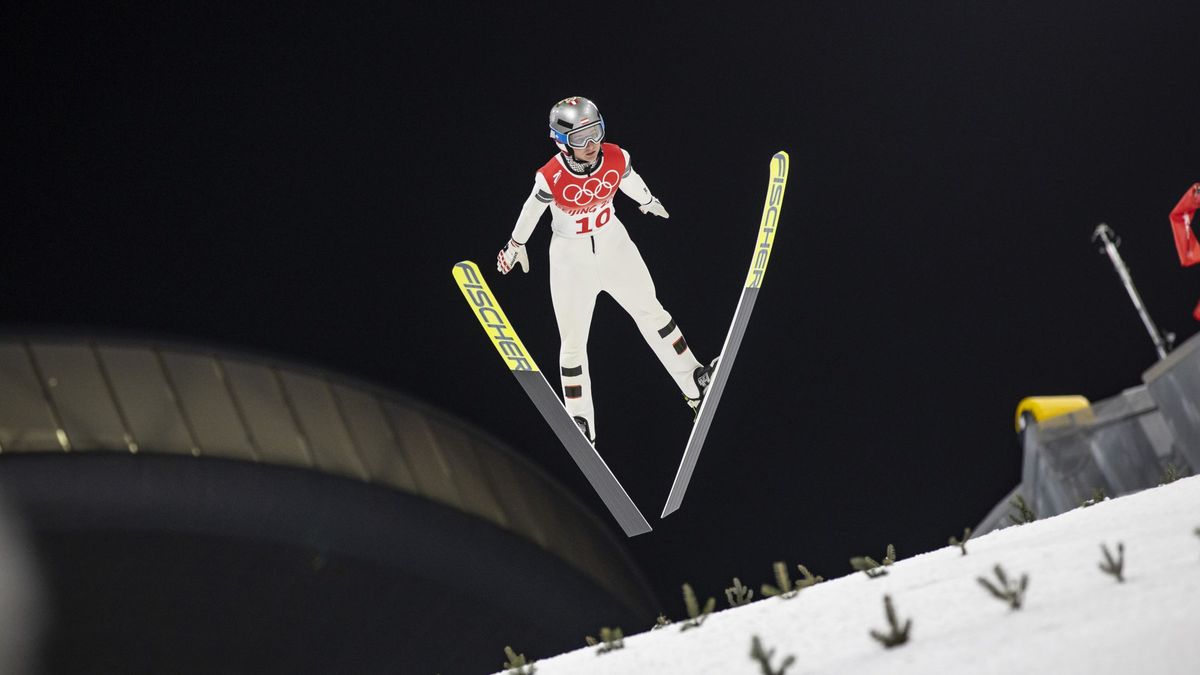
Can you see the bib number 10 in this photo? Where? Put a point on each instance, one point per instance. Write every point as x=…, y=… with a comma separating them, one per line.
x=585, y=223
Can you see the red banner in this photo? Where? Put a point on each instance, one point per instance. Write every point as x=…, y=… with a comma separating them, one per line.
x=1181, y=223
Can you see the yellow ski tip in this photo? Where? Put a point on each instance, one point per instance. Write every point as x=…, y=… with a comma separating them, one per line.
x=780, y=163
x=495, y=323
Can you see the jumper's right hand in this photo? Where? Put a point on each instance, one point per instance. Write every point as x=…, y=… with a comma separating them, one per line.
x=511, y=255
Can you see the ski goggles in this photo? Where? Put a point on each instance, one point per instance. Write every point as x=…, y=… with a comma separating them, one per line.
x=579, y=138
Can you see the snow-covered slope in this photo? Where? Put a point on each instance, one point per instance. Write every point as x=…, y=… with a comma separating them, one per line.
x=1076, y=619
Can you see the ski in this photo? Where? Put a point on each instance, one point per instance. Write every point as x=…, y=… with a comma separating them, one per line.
x=483, y=303
x=733, y=339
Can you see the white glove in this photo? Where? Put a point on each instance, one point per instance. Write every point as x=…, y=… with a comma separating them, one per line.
x=511, y=255
x=654, y=207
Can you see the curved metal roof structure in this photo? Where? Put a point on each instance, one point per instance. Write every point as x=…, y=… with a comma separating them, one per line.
x=130, y=434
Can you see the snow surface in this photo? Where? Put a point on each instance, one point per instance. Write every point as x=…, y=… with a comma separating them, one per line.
x=1076, y=619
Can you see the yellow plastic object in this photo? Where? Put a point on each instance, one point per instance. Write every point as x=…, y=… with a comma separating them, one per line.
x=1045, y=407
x=487, y=310
x=770, y=219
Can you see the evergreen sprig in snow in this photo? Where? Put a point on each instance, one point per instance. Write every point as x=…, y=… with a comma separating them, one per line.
x=738, y=595
x=764, y=658
x=897, y=635
x=695, y=613
x=785, y=588
x=868, y=566
x=1171, y=475
x=1007, y=590
x=1114, y=566
x=1097, y=497
x=613, y=639
x=516, y=665
x=1024, y=513
x=962, y=544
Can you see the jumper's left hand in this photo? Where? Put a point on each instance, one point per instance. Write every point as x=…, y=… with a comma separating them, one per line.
x=655, y=207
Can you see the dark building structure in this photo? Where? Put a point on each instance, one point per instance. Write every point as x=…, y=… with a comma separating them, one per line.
x=1146, y=435
x=197, y=510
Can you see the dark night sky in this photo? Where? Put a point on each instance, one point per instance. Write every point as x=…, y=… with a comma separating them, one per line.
x=301, y=181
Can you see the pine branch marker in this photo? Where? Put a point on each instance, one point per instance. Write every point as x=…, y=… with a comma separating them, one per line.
x=695, y=614
x=764, y=658
x=1114, y=567
x=1026, y=514
x=613, y=639
x=1172, y=474
x=808, y=578
x=962, y=544
x=1014, y=595
x=869, y=567
x=738, y=595
x=784, y=589
x=898, y=635
x=1097, y=497
x=515, y=665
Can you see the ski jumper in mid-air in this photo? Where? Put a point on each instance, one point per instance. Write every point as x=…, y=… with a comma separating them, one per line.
x=590, y=251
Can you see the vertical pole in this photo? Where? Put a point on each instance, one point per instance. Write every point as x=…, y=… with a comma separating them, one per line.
x=1110, y=242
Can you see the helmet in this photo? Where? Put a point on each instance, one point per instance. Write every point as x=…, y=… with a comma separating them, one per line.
x=575, y=122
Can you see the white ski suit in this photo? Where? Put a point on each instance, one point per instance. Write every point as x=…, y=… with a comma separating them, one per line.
x=591, y=251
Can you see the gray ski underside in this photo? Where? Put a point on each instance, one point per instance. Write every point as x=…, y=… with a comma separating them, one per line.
x=589, y=461
x=741, y=317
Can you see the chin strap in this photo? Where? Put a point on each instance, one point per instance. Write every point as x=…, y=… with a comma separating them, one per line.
x=579, y=167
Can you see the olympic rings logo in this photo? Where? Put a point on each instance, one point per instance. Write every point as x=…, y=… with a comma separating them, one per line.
x=592, y=189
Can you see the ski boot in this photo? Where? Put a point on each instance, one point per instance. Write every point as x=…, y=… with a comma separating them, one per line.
x=585, y=428
x=703, y=376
